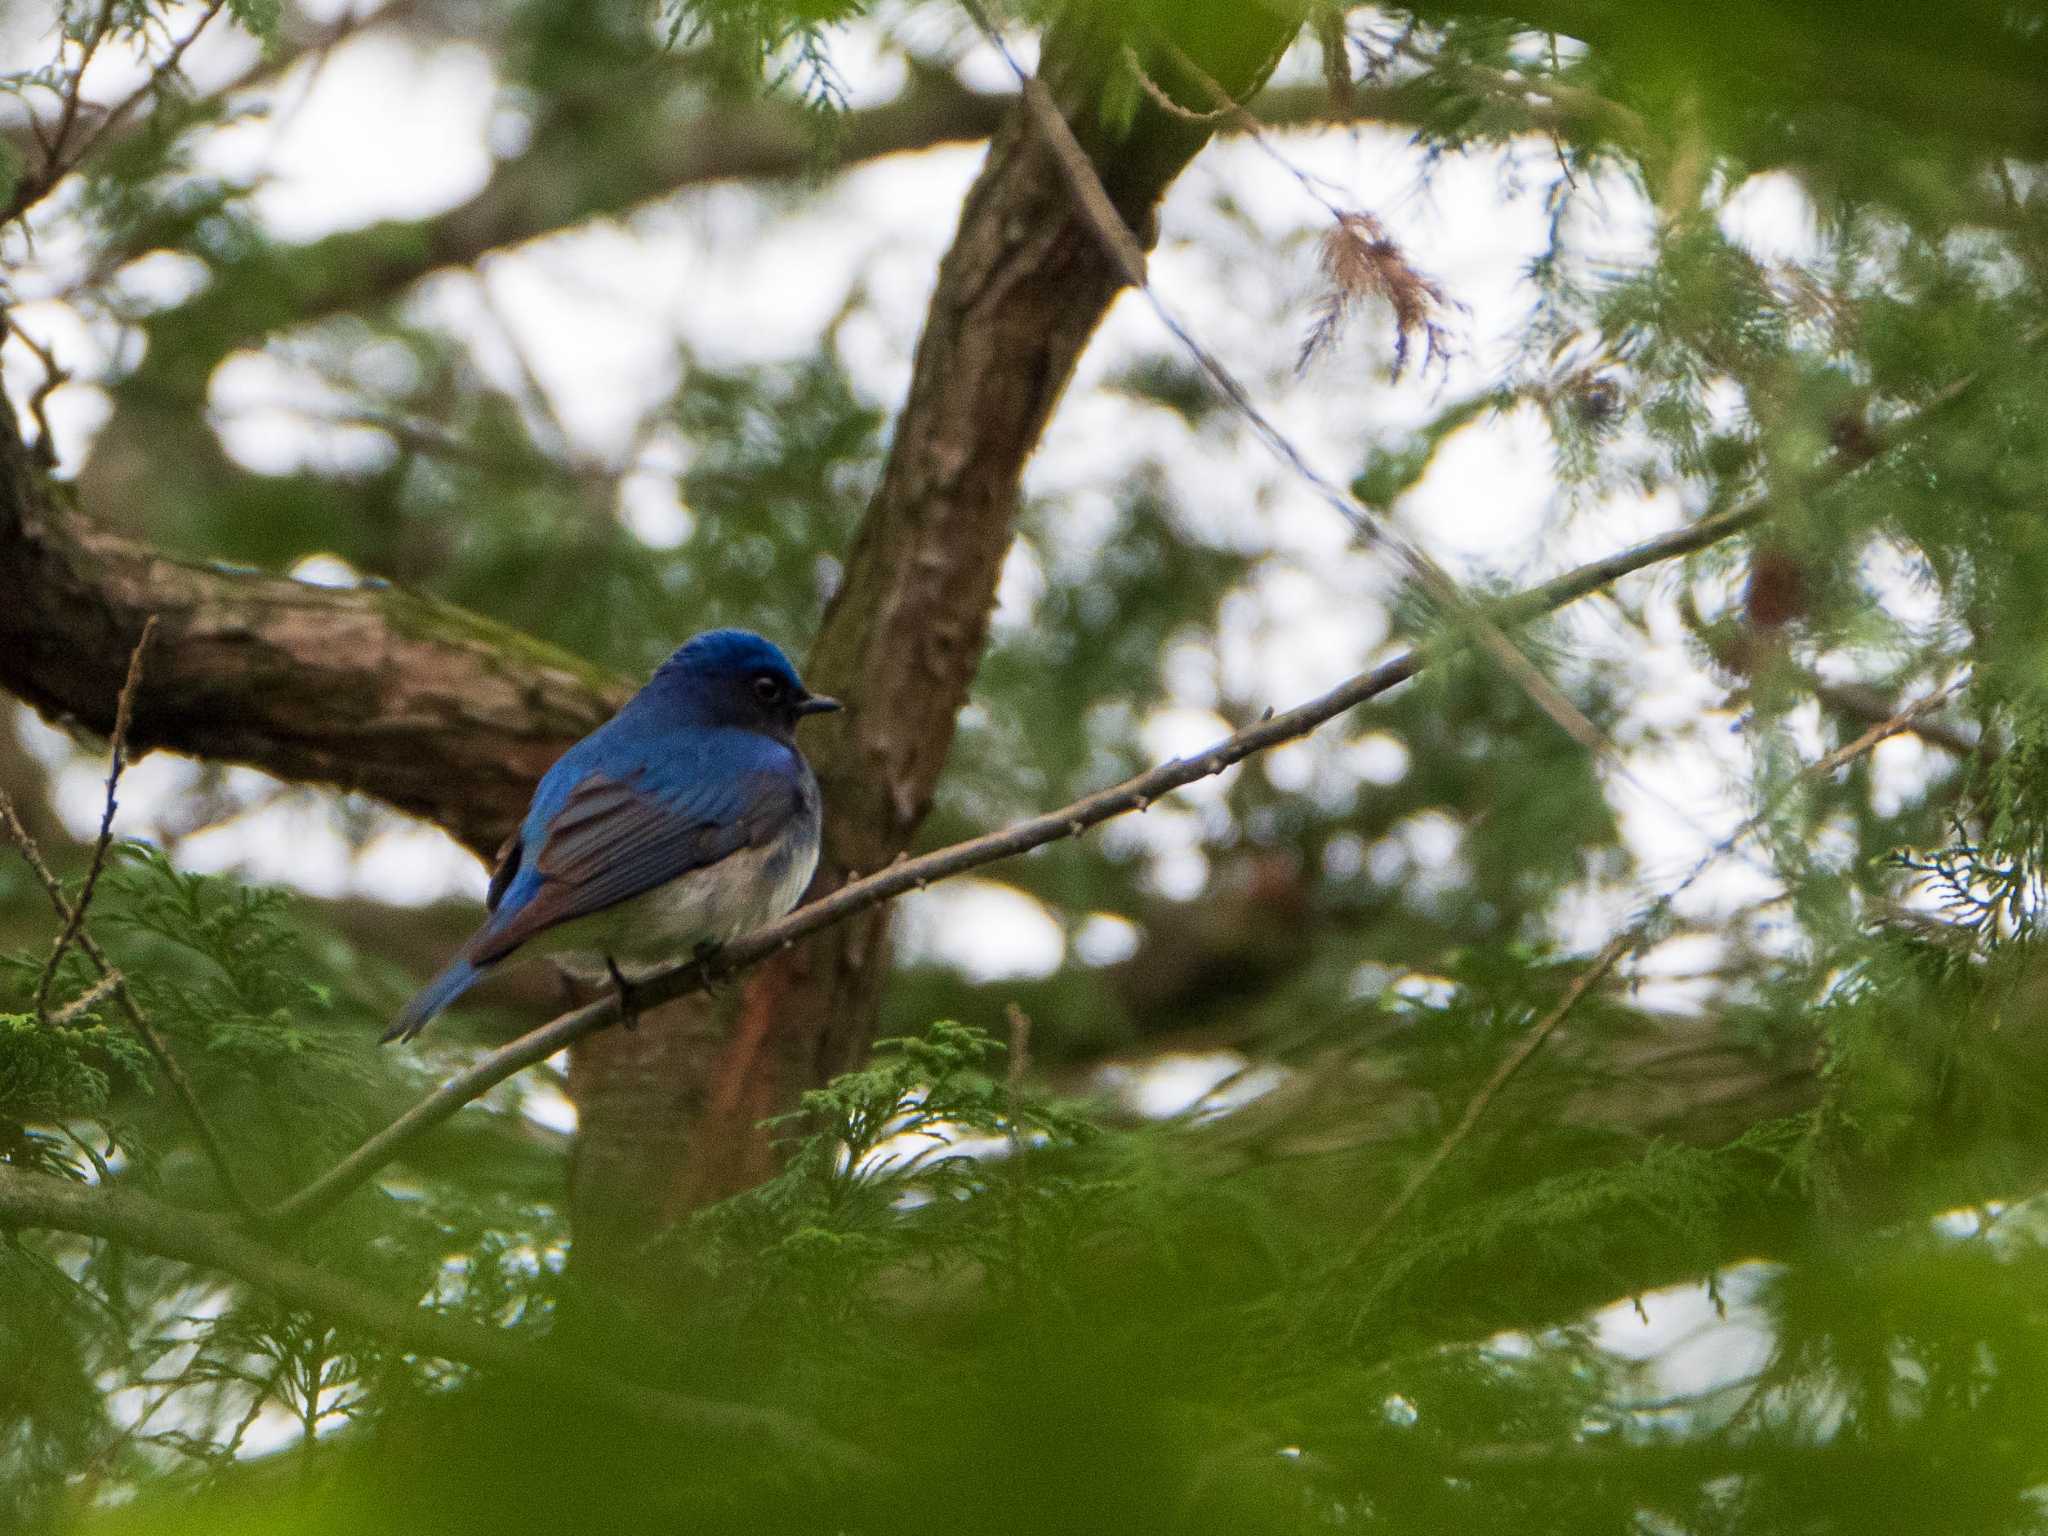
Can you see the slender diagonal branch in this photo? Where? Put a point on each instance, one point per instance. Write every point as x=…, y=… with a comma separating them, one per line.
x=1133, y=794
x=124, y=711
x=1531, y=1042
x=1630, y=938
x=173, y=1232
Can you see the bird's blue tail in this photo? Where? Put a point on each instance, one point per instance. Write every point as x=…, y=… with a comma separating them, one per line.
x=437, y=994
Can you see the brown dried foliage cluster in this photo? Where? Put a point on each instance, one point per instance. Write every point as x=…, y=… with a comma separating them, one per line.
x=1361, y=262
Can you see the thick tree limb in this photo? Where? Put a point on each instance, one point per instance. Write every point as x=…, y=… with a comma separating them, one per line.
x=29, y=1200
x=415, y=701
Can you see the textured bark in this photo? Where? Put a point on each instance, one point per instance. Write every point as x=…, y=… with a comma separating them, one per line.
x=424, y=705
x=666, y=1122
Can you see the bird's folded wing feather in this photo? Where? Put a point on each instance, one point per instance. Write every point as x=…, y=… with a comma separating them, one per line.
x=503, y=868
x=614, y=839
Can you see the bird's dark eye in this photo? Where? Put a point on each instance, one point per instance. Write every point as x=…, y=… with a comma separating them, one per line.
x=767, y=689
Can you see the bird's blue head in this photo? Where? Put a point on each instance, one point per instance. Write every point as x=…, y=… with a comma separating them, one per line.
x=734, y=677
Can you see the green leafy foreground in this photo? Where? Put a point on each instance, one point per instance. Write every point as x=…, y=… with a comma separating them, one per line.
x=1038, y=1316
x=1031, y=1317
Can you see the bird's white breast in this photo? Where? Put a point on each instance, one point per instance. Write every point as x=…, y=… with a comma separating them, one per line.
x=714, y=905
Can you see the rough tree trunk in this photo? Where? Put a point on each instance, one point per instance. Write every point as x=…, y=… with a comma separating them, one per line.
x=670, y=1115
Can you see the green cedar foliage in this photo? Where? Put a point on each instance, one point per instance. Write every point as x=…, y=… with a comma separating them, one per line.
x=1059, y=1318
x=1037, y=1321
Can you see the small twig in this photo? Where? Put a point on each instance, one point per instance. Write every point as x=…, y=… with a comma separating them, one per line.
x=1018, y=1061
x=1867, y=704
x=1904, y=720
x=1335, y=44
x=68, y=118
x=157, y=1046
x=1166, y=103
x=1015, y=1065
x=1240, y=118
x=124, y=711
x=540, y=405
x=55, y=377
x=1564, y=163
x=57, y=163
x=91, y=996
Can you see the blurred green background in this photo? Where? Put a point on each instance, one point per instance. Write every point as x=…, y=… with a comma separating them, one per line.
x=596, y=319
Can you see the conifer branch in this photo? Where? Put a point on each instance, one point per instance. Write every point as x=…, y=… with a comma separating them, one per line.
x=60, y=160
x=1531, y=1042
x=111, y=981
x=34, y=1200
x=1633, y=937
x=1133, y=794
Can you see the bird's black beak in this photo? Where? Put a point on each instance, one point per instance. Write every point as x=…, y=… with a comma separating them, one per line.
x=817, y=704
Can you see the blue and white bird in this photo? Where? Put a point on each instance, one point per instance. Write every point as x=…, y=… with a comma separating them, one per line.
x=685, y=820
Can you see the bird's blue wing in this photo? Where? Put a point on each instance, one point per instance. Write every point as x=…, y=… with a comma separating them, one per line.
x=615, y=838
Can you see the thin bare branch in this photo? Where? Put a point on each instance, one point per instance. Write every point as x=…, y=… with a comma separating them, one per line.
x=1905, y=720
x=67, y=118
x=1163, y=99
x=55, y=378
x=87, y=1000
x=124, y=711
x=1513, y=1062
x=1866, y=704
x=1134, y=794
